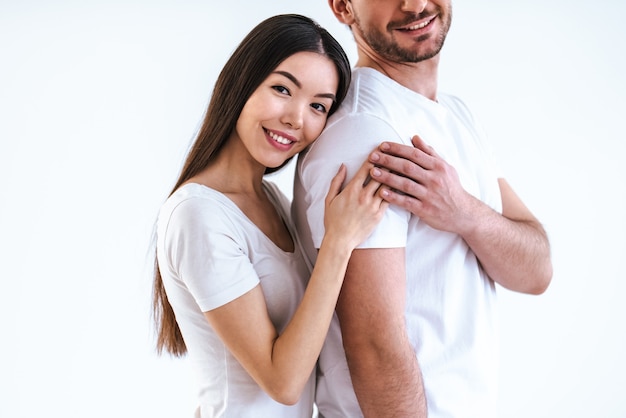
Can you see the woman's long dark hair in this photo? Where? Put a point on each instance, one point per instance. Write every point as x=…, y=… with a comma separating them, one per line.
x=261, y=51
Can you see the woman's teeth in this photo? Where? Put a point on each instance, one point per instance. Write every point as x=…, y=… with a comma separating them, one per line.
x=279, y=139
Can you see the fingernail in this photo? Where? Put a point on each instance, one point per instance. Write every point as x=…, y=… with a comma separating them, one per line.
x=375, y=156
x=385, y=193
x=384, y=146
x=376, y=172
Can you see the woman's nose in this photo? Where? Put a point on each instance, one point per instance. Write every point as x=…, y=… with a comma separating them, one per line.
x=293, y=117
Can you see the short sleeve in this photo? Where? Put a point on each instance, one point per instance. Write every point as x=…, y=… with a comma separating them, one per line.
x=204, y=249
x=348, y=141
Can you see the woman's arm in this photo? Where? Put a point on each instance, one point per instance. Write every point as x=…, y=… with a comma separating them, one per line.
x=282, y=364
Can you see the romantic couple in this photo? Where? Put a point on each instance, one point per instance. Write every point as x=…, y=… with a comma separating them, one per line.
x=373, y=292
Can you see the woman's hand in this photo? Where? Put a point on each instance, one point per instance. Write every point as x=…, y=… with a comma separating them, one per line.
x=352, y=213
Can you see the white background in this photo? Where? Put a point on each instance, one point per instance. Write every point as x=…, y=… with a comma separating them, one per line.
x=100, y=100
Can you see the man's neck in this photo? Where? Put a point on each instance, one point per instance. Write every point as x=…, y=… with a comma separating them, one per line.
x=420, y=77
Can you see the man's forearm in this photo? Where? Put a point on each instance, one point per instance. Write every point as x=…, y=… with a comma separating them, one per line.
x=513, y=248
x=387, y=382
x=515, y=254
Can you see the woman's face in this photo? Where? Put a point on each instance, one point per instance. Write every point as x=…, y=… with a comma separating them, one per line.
x=289, y=109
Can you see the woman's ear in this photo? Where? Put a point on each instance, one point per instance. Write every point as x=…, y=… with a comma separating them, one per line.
x=342, y=9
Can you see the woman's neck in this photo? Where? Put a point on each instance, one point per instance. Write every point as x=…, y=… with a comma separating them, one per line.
x=233, y=173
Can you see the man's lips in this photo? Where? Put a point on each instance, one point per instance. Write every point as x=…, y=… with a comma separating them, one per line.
x=420, y=25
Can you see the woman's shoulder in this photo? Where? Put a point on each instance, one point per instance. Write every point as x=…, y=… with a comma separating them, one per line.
x=195, y=205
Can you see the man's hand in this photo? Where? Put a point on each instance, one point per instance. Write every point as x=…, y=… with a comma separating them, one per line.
x=512, y=246
x=423, y=183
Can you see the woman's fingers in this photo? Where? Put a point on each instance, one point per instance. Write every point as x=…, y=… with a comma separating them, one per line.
x=335, y=184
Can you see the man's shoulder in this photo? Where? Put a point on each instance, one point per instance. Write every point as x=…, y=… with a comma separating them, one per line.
x=351, y=136
x=365, y=97
x=369, y=110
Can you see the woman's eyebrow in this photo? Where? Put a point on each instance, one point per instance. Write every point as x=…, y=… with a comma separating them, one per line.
x=290, y=77
x=327, y=96
x=299, y=85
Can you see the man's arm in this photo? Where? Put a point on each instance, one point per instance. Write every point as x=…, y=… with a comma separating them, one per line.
x=383, y=366
x=512, y=247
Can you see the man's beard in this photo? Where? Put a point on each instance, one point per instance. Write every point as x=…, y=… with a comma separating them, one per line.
x=390, y=50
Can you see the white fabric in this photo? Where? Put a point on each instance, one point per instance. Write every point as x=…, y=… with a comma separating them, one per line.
x=209, y=254
x=450, y=309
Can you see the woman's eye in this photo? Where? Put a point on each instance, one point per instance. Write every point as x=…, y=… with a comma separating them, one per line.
x=281, y=89
x=319, y=107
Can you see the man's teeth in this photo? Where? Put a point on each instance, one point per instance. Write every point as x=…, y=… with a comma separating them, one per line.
x=280, y=139
x=420, y=26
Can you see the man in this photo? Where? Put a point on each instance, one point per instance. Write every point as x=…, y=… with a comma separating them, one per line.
x=418, y=301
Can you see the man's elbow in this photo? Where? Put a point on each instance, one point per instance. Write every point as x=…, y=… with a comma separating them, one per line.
x=542, y=280
x=371, y=351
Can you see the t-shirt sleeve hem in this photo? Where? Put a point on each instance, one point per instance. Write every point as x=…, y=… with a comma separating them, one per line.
x=228, y=295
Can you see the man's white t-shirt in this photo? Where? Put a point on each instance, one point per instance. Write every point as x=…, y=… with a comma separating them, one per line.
x=450, y=310
x=210, y=253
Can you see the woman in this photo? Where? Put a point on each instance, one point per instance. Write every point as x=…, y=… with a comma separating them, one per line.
x=230, y=284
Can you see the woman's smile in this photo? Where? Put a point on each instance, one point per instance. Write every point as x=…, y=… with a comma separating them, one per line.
x=289, y=108
x=280, y=140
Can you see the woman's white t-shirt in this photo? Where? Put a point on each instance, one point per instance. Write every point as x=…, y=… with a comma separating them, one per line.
x=210, y=253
